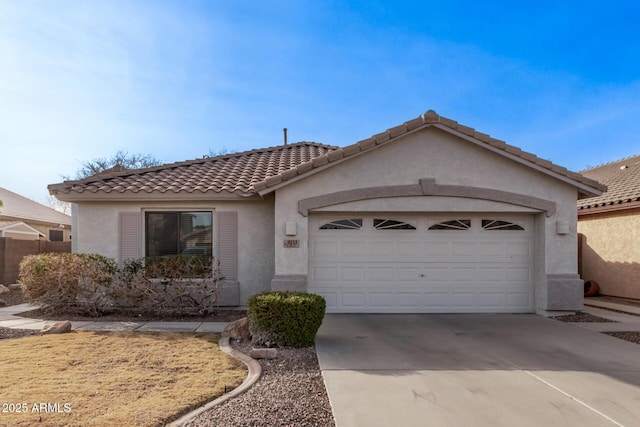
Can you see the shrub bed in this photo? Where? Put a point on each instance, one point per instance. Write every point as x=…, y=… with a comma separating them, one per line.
x=91, y=284
x=285, y=318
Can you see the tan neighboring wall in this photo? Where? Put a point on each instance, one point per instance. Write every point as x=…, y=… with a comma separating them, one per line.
x=611, y=251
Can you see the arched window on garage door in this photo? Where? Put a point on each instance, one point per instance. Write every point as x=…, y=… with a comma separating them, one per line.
x=343, y=224
x=495, y=224
x=454, y=224
x=391, y=224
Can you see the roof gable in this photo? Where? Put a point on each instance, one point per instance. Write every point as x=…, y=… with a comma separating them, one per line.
x=587, y=187
x=622, y=178
x=19, y=227
x=20, y=207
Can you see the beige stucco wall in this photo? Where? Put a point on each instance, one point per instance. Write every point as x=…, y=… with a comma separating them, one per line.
x=432, y=153
x=97, y=230
x=611, y=251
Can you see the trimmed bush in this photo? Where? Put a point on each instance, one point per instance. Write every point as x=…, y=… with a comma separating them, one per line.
x=169, y=285
x=285, y=318
x=92, y=284
x=64, y=282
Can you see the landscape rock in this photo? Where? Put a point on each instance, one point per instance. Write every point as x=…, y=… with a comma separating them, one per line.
x=57, y=328
x=15, y=287
x=263, y=353
x=238, y=330
x=2, y=303
x=4, y=290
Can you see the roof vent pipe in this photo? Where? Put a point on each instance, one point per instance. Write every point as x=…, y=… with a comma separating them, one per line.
x=285, y=135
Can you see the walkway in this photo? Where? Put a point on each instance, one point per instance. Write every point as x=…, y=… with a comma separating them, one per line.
x=9, y=318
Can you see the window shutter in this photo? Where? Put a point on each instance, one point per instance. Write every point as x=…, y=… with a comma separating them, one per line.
x=227, y=244
x=129, y=236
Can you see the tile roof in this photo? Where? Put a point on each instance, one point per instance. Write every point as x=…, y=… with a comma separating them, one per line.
x=233, y=173
x=262, y=171
x=17, y=206
x=622, y=178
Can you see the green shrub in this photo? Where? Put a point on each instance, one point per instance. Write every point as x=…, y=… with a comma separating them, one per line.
x=64, y=282
x=285, y=318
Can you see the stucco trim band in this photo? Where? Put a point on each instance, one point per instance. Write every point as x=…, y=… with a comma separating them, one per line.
x=425, y=187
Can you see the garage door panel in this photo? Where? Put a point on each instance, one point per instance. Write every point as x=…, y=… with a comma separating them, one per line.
x=465, y=300
x=353, y=250
x=468, y=249
x=493, y=300
x=491, y=274
x=437, y=249
x=324, y=274
x=519, y=299
x=409, y=251
x=410, y=300
x=519, y=249
x=421, y=270
x=382, y=300
x=353, y=299
x=353, y=274
x=462, y=274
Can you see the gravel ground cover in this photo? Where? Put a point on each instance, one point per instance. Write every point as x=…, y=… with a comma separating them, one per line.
x=627, y=336
x=290, y=392
x=13, y=298
x=582, y=317
x=7, y=333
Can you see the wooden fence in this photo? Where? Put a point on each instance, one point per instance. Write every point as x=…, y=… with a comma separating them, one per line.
x=12, y=251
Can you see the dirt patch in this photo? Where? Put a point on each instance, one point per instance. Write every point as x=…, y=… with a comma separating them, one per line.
x=582, y=317
x=627, y=336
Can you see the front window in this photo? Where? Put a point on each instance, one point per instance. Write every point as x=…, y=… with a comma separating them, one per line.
x=178, y=233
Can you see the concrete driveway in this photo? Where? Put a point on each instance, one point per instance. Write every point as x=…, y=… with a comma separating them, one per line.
x=476, y=370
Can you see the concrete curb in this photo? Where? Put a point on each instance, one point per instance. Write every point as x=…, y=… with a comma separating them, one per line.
x=255, y=371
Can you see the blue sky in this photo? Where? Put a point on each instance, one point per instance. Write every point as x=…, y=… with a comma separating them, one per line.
x=177, y=79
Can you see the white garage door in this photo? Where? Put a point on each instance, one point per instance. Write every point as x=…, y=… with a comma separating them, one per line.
x=387, y=263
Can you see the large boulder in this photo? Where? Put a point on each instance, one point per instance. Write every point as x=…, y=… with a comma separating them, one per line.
x=238, y=330
x=57, y=328
x=4, y=290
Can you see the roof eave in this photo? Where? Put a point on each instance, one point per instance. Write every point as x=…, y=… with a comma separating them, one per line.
x=609, y=207
x=129, y=196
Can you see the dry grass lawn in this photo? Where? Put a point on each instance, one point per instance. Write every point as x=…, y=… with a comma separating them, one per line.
x=110, y=379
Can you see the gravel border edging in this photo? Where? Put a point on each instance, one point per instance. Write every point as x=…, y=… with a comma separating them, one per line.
x=255, y=371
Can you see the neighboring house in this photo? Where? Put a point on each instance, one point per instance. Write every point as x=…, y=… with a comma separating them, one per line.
x=23, y=219
x=429, y=216
x=610, y=228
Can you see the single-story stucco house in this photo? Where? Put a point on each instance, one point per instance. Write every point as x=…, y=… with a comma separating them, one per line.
x=428, y=216
x=610, y=229
x=23, y=219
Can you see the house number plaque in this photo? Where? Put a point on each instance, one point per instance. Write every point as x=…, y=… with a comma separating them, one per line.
x=291, y=243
